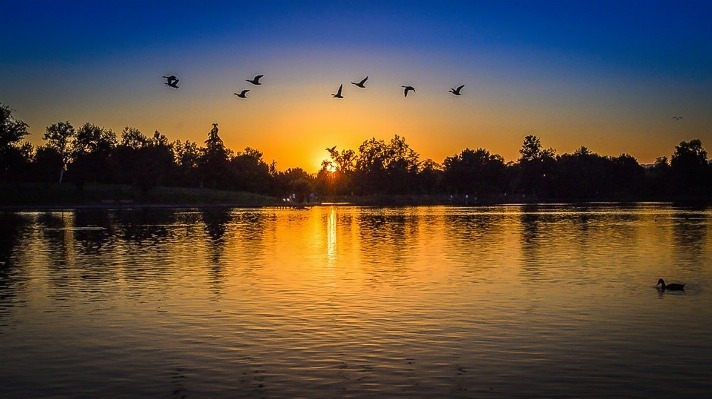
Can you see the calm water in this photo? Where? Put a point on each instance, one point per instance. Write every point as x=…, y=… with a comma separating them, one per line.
x=431, y=302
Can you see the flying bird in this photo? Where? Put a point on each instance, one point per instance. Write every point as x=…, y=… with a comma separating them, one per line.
x=171, y=81
x=406, y=89
x=361, y=84
x=331, y=149
x=255, y=80
x=242, y=94
x=677, y=118
x=457, y=91
x=338, y=93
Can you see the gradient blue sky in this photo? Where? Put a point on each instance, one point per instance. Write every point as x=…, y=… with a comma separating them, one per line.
x=609, y=75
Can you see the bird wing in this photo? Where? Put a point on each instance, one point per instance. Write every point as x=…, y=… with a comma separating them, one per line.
x=460, y=87
x=363, y=81
x=338, y=93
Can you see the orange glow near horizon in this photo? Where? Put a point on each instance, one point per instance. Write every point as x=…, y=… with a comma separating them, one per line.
x=292, y=118
x=528, y=69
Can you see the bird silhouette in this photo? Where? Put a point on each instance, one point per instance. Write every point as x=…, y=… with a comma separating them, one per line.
x=677, y=118
x=242, y=94
x=670, y=287
x=338, y=92
x=171, y=81
x=331, y=149
x=361, y=84
x=457, y=91
x=255, y=80
x=406, y=89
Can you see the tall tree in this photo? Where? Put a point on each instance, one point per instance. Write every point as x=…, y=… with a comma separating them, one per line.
x=249, y=172
x=187, y=156
x=59, y=137
x=475, y=172
x=534, y=166
x=13, y=154
x=91, y=151
x=387, y=168
x=214, y=162
x=690, y=168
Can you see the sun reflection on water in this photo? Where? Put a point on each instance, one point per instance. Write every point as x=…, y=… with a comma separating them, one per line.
x=331, y=237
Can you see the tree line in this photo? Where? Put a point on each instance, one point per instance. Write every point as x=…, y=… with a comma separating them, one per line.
x=91, y=154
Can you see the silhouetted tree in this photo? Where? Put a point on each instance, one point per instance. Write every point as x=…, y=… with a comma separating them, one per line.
x=142, y=161
x=214, y=162
x=187, y=157
x=658, y=179
x=250, y=172
x=91, y=152
x=536, y=166
x=336, y=176
x=581, y=175
x=125, y=155
x=294, y=181
x=59, y=137
x=48, y=165
x=624, y=175
x=14, y=155
x=689, y=167
x=431, y=177
x=475, y=173
x=386, y=168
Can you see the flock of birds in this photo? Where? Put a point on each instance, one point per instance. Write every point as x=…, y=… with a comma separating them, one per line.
x=172, y=81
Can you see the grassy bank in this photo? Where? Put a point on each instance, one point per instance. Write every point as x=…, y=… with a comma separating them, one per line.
x=47, y=195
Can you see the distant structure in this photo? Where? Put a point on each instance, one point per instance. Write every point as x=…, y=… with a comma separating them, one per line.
x=338, y=92
x=361, y=84
x=171, y=81
x=256, y=80
x=457, y=91
x=406, y=89
x=242, y=94
x=677, y=118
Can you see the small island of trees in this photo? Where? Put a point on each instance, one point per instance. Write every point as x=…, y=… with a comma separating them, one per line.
x=91, y=155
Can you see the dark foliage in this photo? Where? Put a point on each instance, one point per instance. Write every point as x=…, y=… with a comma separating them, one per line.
x=92, y=154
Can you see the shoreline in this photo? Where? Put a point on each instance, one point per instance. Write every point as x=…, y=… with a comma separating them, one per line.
x=366, y=204
x=40, y=197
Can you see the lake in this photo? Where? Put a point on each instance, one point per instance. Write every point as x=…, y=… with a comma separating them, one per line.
x=355, y=302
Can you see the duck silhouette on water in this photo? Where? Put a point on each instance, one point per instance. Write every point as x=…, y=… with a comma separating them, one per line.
x=670, y=287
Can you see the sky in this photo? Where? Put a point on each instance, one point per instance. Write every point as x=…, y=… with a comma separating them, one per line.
x=608, y=75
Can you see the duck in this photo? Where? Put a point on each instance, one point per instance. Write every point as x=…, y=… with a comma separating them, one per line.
x=242, y=94
x=256, y=80
x=406, y=89
x=670, y=287
x=361, y=84
x=171, y=81
x=338, y=93
x=457, y=91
